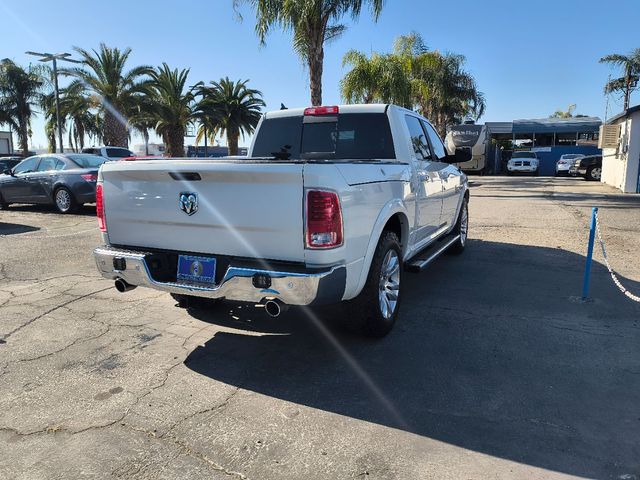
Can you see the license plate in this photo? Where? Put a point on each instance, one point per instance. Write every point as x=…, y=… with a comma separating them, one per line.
x=196, y=270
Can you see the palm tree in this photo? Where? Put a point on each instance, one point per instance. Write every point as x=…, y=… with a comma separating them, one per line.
x=233, y=109
x=141, y=118
x=629, y=82
x=568, y=113
x=435, y=84
x=79, y=110
x=379, y=78
x=107, y=79
x=208, y=124
x=313, y=23
x=19, y=95
x=445, y=92
x=441, y=89
x=172, y=106
x=48, y=106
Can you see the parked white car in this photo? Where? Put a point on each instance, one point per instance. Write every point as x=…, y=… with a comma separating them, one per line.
x=523, y=162
x=331, y=205
x=112, y=153
x=566, y=162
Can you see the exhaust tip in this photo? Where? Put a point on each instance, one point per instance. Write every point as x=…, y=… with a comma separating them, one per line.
x=274, y=308
x=123, y=286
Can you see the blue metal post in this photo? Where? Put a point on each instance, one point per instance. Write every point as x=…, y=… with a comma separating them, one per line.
x=587, y=270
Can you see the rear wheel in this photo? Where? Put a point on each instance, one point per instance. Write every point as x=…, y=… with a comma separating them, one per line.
x=375, y=310
x=594, y=174
x=64, y=201
x=3, y=205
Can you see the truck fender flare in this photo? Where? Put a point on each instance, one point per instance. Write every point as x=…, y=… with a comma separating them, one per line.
x=389, y=210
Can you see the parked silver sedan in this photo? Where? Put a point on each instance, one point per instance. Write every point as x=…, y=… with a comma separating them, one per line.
x=64, y=180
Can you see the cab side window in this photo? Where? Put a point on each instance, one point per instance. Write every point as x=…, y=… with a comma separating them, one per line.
x=28, y=165
x=418, y=138
x=438, y=147
x=47, y=164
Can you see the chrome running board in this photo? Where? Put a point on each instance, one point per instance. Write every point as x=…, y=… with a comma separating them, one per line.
x=421, y=260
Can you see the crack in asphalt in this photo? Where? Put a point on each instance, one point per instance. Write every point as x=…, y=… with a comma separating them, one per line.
x=171, y=439
x=217, y=407
x=47, y=312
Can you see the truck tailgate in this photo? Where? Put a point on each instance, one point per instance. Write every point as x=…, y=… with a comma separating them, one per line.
x=244, y=209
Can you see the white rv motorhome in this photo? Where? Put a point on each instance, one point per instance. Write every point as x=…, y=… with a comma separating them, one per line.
x=471, y=137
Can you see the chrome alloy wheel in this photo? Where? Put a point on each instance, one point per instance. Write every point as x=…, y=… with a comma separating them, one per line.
x=464, y=223
x=63, y=200
x=596, y=173
x=389, y=286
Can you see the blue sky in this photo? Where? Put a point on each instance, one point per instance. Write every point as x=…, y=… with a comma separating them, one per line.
x=529, y=59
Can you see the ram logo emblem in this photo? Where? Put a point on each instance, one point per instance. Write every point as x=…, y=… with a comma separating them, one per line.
x=189, y=202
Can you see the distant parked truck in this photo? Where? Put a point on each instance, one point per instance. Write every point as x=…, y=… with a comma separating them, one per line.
x=213, y=151
x=154, y=149
x=6, y=143
x=472, y=138
x=110, y=153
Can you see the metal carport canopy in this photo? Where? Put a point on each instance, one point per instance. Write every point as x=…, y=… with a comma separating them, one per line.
x=557, y=125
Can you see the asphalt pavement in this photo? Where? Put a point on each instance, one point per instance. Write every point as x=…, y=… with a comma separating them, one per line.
x=496, y=368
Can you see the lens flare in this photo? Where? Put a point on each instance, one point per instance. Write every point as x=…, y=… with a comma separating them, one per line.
x=349, y=359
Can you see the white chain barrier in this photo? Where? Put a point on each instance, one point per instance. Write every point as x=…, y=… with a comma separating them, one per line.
x=614, y=277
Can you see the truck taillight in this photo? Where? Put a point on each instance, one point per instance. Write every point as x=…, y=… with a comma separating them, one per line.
x=102, y=224
x=324, y=219
x=311, y=111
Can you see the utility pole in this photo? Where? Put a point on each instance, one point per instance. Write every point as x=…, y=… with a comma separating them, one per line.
x=606, y=108
x=48, y=57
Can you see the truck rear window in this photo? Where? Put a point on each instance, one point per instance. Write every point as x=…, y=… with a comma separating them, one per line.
x=357, y=136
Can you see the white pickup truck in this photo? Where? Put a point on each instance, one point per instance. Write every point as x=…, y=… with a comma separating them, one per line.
x=332, y=204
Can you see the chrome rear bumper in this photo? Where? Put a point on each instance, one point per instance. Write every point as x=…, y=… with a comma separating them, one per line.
x=311, y=287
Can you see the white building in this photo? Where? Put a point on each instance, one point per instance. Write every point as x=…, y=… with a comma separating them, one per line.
x=620, y=142
x=6, y=143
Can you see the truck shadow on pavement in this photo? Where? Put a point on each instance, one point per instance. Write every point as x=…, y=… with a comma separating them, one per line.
x=492, y=352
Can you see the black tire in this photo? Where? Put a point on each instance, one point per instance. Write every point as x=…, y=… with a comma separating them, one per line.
x=3, y=205
x=64, y=201
x=461, y=228
x=365, y=312
x=594, y=174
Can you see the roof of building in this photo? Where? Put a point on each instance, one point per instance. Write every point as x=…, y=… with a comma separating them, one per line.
x=624, y=114
x=547, y=125
x=500, y=127
x=557, y=125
